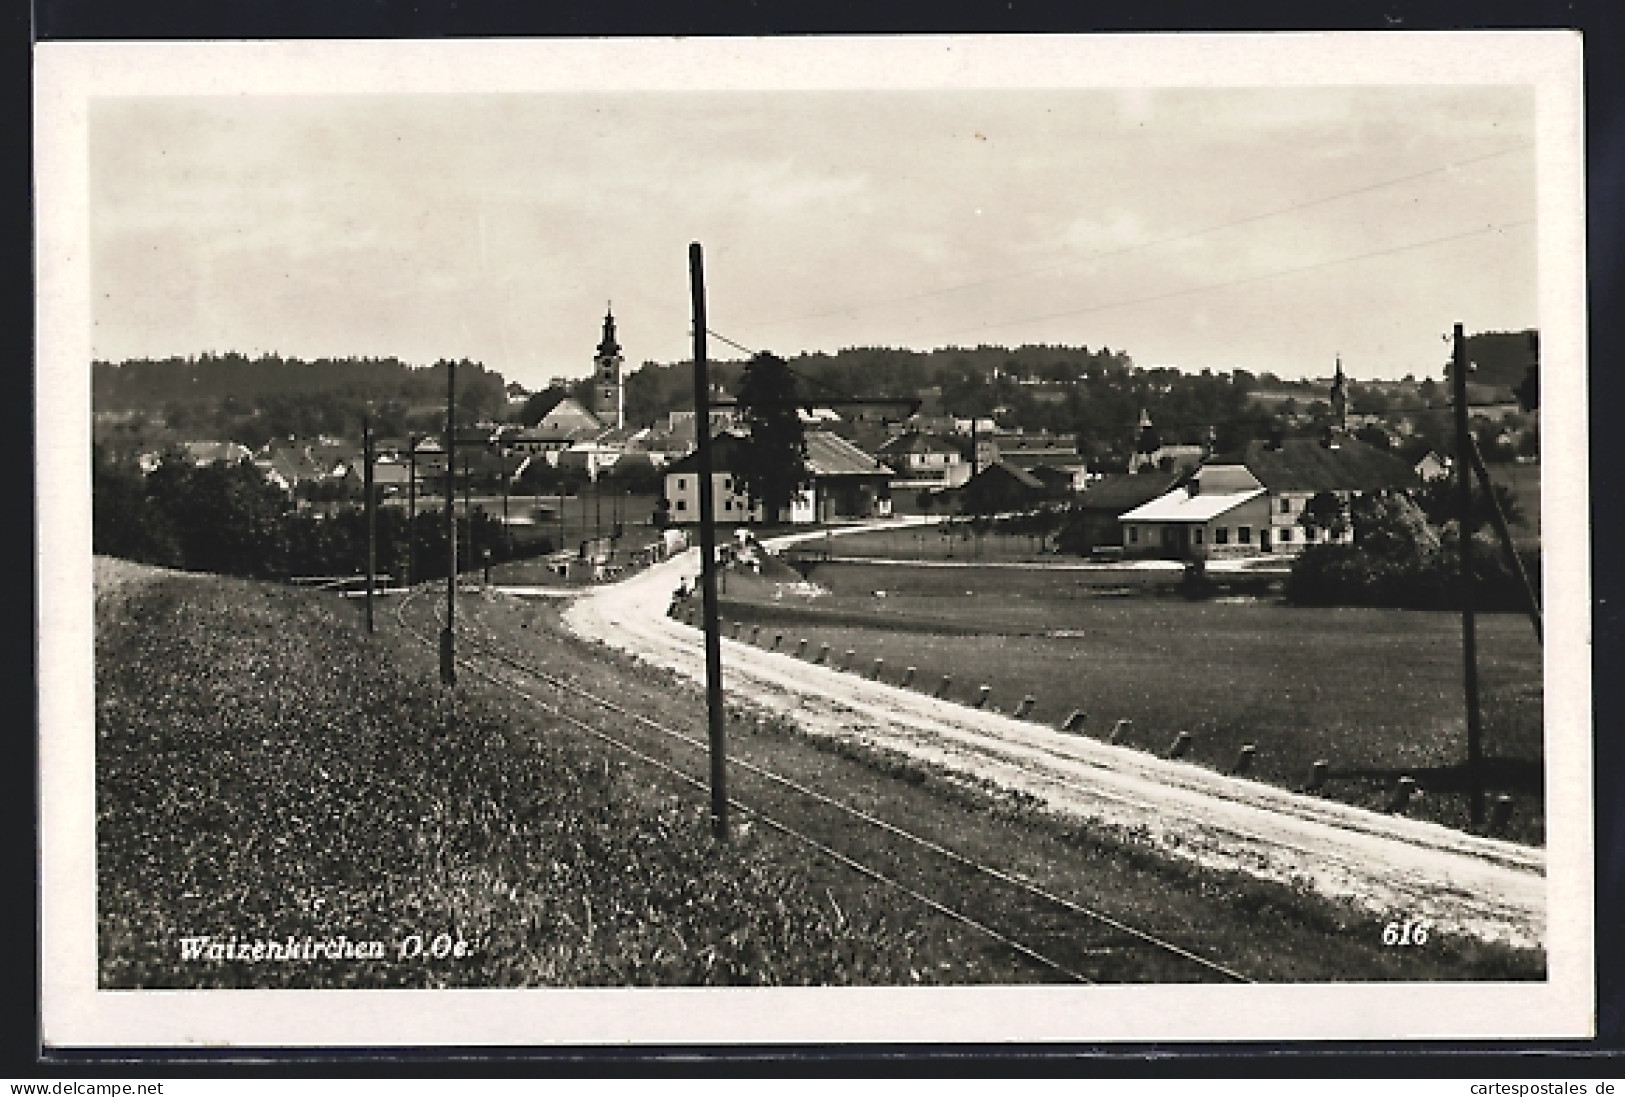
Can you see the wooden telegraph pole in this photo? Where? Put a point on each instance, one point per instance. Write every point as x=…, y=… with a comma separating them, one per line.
x=468, y=510
x=1469, y=638
x=411, y=509
x=372, y=512
x=708, y=553
x=507, y=530
x=448, y=654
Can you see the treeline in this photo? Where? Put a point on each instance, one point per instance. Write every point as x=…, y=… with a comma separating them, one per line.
x=228, y=520
x=971, y=380
x=1096, y=394
x=232, y=397
x=1407, y=555
x=1502, y=358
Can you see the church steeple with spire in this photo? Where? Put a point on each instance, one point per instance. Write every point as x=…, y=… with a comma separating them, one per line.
x=608, y=396
x=1340, y=399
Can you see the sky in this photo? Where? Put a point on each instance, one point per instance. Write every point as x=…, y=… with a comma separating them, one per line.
x=1270, y=230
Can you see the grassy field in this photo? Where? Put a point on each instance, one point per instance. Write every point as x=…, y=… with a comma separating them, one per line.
x=1272, y=932
x=936, y=542
x=266, y=773
x=1376, y=693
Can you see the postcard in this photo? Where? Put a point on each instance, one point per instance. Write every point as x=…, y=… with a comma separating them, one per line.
x=844, y=541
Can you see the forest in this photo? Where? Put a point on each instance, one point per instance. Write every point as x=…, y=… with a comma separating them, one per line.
x=1096, y=395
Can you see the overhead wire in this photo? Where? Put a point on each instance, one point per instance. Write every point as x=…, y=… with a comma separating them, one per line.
x=1265, y=276
x=1147, y=245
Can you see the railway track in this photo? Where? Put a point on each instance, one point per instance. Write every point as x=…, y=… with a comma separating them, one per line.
x=1052, y=937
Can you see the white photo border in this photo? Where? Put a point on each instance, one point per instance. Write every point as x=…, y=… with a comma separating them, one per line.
x=75, y=1013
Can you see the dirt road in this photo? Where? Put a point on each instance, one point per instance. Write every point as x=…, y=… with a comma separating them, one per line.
x=1400, y=868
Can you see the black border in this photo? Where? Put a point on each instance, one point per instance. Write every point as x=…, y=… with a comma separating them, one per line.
x=1603, y=26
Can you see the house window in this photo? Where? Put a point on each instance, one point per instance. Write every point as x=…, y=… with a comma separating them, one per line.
x=1286, y=506
x=1167, y=535
x=727, y=504
x=1309, y=533
x=1198, y=534
x=682, y=504
x=727, y=483
x=682, y=484
x=1284, y=535
x=1134, y=535
x=1244, y=535
x=1221, y=535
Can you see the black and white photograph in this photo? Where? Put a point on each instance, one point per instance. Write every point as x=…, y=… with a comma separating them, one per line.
x=918, y=539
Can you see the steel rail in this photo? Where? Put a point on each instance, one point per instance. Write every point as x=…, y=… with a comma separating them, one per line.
x=890, y=828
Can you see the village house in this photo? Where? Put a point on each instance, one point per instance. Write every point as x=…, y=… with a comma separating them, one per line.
x=1028, y=449
x=1096, y=522
x=1431, y=467
x=924, y=462
x=1227, y=515
x=845, y=483
x=199, y=455
x=1253, y=502
x=1000, y=488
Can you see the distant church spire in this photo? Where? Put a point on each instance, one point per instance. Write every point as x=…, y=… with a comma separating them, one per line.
x=1340, y=398
x=1146, y=446
x=607, y=346
x=608, y=397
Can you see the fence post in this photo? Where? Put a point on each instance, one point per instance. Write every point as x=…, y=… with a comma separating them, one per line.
x=1120, y=731
x=1025, y=707
x=1181, y=743
x=1500, y=814
x=880, y=665
x=942, y=687
x=1317, y=775
x=1404, y=791
x=1244, y=760
x=846, y=660
x=908, y=676
x=981, y=696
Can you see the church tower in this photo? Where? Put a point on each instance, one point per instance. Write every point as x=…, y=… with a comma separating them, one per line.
x=608, y=397
x=1340, y=399
x=1144, y=456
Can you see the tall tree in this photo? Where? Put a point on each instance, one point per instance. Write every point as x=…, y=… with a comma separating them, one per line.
x=775, y=458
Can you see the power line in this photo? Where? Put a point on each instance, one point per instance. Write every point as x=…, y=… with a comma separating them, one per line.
x=1174, y=239
x=1124, y=302
x=719, y=337
x=793, y=372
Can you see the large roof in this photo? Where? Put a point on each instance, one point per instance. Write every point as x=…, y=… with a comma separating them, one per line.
x=917, y=442
x=827, y=455
x=1119, y=491
x=1303, y=464
x=208, y=453
x=1180, y=505
x=1217, y=479
x=831, y=455
x=1014, y=472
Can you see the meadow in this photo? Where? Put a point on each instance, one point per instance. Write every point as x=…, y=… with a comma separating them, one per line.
x=936, y=542
x=267, y=773
x=1375, y=693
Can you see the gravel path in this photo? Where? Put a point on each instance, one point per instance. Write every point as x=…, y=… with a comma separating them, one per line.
x=1400, y=868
